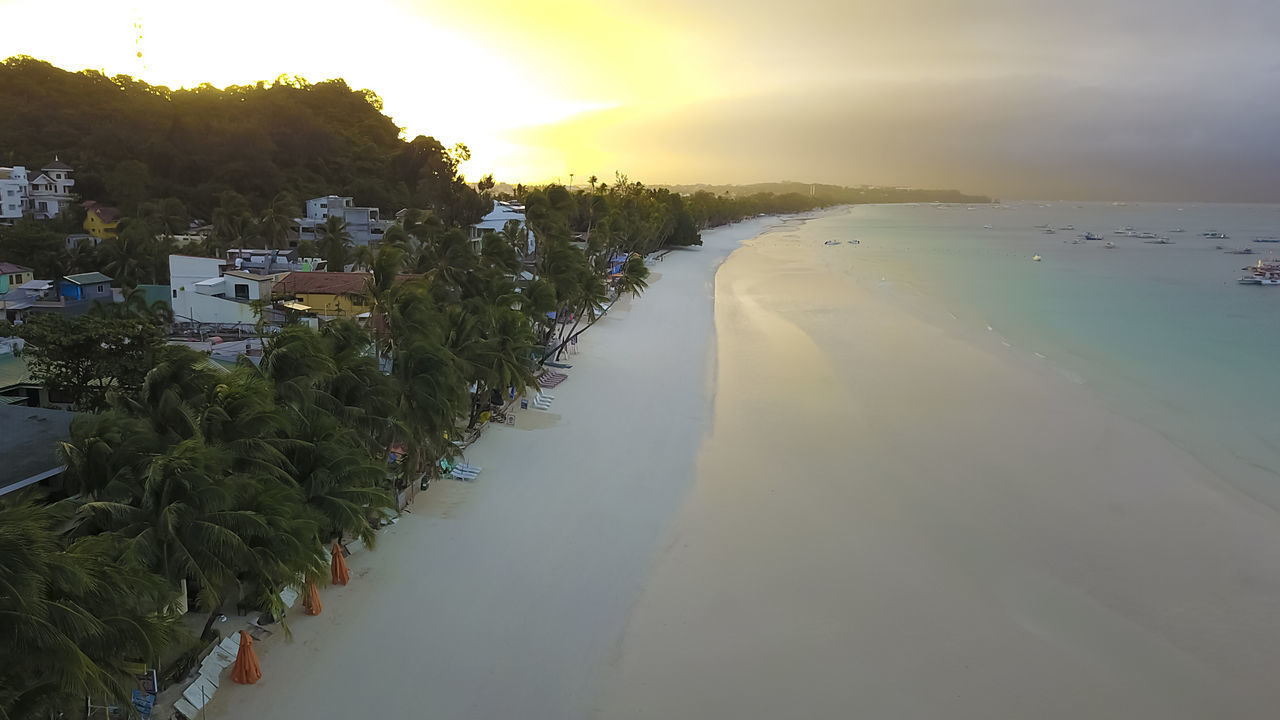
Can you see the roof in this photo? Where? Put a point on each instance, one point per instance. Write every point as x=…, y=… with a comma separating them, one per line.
x=11, y=268
x=57, y=165
x=323, y=283
x=29, y=440
x=89, y=278
x=246, y=275
x=105, y=213
x=13, y=370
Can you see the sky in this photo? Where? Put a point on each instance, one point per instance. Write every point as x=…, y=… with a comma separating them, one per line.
x=1089, y=99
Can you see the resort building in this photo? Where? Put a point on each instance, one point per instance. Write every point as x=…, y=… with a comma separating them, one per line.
x=497, y=219
x=364, y=224
x=50, y=192
x=101, y=221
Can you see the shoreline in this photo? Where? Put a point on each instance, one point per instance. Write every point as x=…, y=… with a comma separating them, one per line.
x=504, y=596
x=893, y=522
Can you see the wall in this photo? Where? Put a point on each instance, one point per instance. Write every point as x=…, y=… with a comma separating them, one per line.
x=332, y=305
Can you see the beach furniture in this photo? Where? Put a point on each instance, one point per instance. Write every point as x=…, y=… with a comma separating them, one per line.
x=542, y=404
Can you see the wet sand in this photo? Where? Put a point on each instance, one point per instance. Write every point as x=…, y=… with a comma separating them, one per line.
x=892, y=522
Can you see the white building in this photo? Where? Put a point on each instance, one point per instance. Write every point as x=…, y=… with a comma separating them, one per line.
x=497, y=219
x=51, y=191
x=365, y=224
x=14, y=189
x=204, y=291
x=42, y=197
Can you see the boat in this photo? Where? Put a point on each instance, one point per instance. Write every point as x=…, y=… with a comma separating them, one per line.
x=1049, y=231
x=1261, y=274
x=1267, y=239
x=1067, y=227
x=1110, y=245
x=1091, y=236
x=832, y=242
x=1177, y=229
x=1215, y=235
x=1241, y=251
x=986, y=227
x=1040, y=227
x=1036, y=258
x=855, y=242
x=1147, y=235
x=1159, y=241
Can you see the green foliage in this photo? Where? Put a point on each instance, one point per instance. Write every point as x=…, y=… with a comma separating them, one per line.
x=307, y=139
x=72, y=614
x=88, y=356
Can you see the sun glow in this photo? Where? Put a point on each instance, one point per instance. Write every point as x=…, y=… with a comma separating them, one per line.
x=473, y=73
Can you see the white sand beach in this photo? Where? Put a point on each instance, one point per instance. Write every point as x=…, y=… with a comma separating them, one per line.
x=505, y=597
x=891, y=522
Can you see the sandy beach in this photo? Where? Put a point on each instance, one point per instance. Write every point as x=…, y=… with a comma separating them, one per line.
x=892, y=522
x=505, y=597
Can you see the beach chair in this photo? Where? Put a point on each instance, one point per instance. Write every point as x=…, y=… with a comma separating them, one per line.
x=542, y=404
x=469, y=468
x=458, y=474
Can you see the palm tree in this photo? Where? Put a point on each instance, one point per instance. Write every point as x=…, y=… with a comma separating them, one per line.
x=277, y=220
x=634, y=277
x=335, y=241
x=72, y=616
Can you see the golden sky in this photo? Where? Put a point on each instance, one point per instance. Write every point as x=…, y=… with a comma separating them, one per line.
x=1017, y=98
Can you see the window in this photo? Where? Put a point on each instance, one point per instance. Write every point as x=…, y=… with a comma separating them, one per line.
x=175, y=294
x=242, y=291
x=99, y=288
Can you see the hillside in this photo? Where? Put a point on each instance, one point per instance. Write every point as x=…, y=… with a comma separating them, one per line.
x=130, y=141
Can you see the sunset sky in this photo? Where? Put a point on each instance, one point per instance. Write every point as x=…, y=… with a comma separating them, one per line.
x=1018, y=98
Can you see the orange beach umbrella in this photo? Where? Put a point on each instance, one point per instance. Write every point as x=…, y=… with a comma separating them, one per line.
x=311, y=598
x=341, y=576
x=246, y=670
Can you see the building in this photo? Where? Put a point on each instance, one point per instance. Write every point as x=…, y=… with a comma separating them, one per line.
x=365, y=224
x=272, y=262
x=209, y=292
x=29, y=440
x=326, y=294
x=86, y=287
x=12, y=276
x=497, y=219
x=50, y=192
x=14, y=189
x=101, y=221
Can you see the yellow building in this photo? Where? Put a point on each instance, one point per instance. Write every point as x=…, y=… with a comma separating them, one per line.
x=101, y=221
x=12, y=276
x=328, y=294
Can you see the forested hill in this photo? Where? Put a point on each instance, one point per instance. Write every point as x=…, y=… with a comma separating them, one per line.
x=129, y=141
x=837, y=194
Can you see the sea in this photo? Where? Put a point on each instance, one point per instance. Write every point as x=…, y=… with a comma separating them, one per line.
x=1163, y=333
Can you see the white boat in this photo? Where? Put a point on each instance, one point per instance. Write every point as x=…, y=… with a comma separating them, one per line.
x=1067, y=227
x=1177, y=229
x=1109, y=245
x=1215, y=235
x=832, y=242
x=986, y=227
x=1147, y=235
x=1036, y=258
x=1261, y=274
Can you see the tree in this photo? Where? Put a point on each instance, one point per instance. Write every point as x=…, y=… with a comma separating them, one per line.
x=335, y=241
x=277, y=221
x=88, y=356
x=72, y=616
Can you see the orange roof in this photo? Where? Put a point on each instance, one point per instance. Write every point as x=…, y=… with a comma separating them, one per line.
x=323, y=283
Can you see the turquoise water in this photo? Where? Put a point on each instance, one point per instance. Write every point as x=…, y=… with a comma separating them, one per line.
x=1163, y=333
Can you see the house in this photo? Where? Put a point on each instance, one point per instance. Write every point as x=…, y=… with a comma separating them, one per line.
x=50, y=193
x=75, y=239
x=101, y=221
x=327, y=294
x=497, y=219
x=208, y=291
x=29, y=440
x=86, y=287
x=14, y=188
x=12, y=276
x=364, y=224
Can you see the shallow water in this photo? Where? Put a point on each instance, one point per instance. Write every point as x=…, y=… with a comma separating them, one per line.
x=1163, y=332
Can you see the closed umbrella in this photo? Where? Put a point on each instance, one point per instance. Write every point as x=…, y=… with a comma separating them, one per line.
x=311, y=598
x=246, y=670
x=341, y=575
